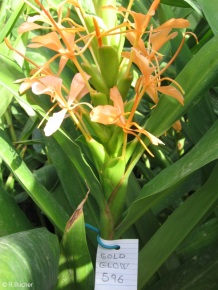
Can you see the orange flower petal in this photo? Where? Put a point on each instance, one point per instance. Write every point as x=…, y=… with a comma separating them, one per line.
x=172, y=92
x=46, y=84
x=28, y=26
x=110, y=114
x=49, y=85
x=78, y=88
x=173, y=23
x=144, y=65
x=131, y=36
x=62, y=63
x=152, y=92
x=49, y=40
x=158, y=39
x=104, y=114
x=117, y=99
x=140, y=20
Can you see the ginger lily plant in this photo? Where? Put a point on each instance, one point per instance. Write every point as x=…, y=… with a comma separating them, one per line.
x=102, y=77
x=95, y=46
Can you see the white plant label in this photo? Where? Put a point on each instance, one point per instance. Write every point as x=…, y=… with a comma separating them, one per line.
x=117, y=269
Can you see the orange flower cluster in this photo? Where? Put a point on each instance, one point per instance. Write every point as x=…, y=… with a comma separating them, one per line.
x=70, y=40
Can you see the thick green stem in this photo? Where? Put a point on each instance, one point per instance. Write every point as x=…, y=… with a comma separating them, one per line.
x=106, y=224
x=117, y=200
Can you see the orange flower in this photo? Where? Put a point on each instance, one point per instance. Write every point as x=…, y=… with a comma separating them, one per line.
x=157, y=36
x=160, y=35
x=44, y=16
x=61, y=39
x=150, y=83
x=141, y=20
x=52, y=86
x=115, y=114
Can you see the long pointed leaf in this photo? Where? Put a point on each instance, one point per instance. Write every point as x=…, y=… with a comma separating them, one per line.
x=208, y=8
x=13, y=18
x=12, y=219
x=76, y=251
x=155, y=189
x=176, y=228
x=36, y=191
x=76, y=190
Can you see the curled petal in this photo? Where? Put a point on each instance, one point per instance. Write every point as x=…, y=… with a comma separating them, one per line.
x=110, y=114
x=131, y=36
x=173, y=23
x=78, y=88
x=39, y=88
x=28, y=26
x=118, y=104
x=54, y=122
x=117, y=99
x=49, y=40
x=152, y=92
x=144, y=65
x=158, y=39
x=62, y=63
x=51, y=86
x=172, y=92
x=46, y=84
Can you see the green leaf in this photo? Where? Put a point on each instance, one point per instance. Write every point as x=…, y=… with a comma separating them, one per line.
x=199, y=273
x=48, y=177
x=208, y=8
x=176, y=228
x=156, y=189
x=12, y=219
x=32, y=186
x=65, y=276
x=176, y=3
x=9, y=72
x=201, y=238
x=5, y=101
x=29, y=259
x=76, y=251
x=73, y=152
x=74, y=191
x=194, y=5
x=11, y=21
